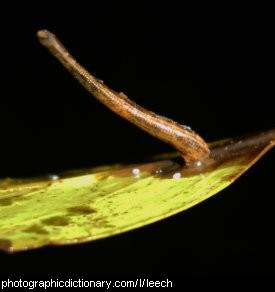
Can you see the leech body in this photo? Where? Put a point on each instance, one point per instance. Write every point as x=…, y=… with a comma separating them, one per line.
x=191, y=146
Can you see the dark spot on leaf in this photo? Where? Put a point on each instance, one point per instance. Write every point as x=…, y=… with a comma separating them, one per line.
x=102, y=223
x=6, y=202
x=21, y=198
x=5, y=244
x=101, y=176
x=56, y=221
x=36, y=229
x=230, y=177
x=81, y=210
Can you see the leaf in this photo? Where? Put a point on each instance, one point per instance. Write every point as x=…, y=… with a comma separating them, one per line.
x=97, y=203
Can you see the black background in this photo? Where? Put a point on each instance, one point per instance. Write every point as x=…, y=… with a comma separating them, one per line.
x=210, y=67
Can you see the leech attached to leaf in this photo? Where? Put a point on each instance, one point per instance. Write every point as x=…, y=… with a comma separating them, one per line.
x=191, y=146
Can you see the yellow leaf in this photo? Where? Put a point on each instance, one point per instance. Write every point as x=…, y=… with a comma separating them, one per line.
x=101, y=202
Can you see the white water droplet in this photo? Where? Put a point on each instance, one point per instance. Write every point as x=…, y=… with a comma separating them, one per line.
x=198, y=163
x=135, y=171
x=158, y=171
x=188, y=128
x=54, y=176
x=177, y=175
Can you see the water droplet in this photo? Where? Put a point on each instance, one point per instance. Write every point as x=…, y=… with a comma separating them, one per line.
x=198, y=163
x=135, y=171
x=177, y=175
x=188, y=128
x=53, y=176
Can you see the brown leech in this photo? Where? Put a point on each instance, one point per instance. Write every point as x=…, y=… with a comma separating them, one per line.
x=191, y=146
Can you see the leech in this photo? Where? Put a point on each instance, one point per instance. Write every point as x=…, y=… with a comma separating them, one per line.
x=190, y=145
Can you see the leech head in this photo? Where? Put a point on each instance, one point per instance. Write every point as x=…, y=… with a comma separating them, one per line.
x=190, y=145
x=45, y=37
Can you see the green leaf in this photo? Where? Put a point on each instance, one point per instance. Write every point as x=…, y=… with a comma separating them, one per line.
x=97, y=203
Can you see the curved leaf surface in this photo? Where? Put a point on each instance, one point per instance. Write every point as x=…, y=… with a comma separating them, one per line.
x=97, y=203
